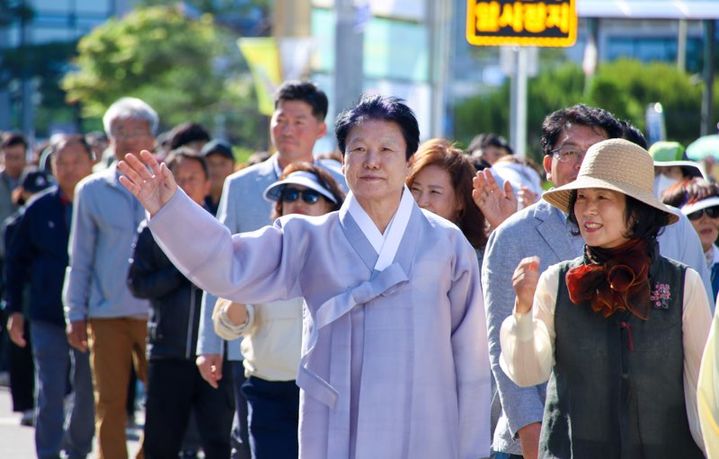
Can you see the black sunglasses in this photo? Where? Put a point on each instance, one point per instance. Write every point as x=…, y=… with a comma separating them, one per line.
x=292, y=194
x=712, y=212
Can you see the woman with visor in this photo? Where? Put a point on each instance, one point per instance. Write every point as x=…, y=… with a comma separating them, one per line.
x=699, y=201
x=272, y=333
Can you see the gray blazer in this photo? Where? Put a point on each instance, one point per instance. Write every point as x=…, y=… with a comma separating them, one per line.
x=542, y=230
x=539, y=230
x=242, y=208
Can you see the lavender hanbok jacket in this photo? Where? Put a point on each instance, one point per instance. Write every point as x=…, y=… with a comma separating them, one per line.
x=395, y=363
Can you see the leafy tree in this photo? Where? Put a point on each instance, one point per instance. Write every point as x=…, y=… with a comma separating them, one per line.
x=624, y=87
x=488, y=112
x=245, y=17
x=554, y=88
x=214, y=6
x=185, y=68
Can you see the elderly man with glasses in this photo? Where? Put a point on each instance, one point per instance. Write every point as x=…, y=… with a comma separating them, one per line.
x=102, y=314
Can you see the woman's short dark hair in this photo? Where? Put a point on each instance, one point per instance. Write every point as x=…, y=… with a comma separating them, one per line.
x=375, y=107
x=643, y=221
x=323, y=177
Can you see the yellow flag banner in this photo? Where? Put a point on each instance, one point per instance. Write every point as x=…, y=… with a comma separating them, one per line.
x=263, y=57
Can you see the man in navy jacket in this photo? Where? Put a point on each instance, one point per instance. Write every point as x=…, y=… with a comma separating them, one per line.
x=37, y=254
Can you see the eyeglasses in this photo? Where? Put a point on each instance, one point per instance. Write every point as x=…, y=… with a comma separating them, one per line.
x=712, y=212
x=292, y=194
x=569, y=154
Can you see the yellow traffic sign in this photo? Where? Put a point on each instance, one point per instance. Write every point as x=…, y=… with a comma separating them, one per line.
x=521, y=22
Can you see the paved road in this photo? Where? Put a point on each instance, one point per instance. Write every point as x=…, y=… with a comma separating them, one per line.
x=17, y=442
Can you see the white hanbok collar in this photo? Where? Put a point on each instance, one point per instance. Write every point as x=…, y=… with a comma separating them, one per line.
x=387, y=244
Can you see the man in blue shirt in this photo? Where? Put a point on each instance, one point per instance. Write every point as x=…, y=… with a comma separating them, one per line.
x=103, y=315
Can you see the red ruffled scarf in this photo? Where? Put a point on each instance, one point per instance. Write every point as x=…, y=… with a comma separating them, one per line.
x=613, y=280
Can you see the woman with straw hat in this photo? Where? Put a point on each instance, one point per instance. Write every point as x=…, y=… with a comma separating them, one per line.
x=620, y=331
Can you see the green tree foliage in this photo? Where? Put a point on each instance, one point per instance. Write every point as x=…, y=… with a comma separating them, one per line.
x=214, y=6
x=624, y=87
x=552, y=89
x=485, y=113
x=186, y=69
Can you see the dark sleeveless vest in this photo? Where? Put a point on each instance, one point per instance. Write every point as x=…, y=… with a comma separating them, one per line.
x=607, y=401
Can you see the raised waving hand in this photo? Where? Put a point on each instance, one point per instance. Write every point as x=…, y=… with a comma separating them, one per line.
x=497, y=204
x=152, y=183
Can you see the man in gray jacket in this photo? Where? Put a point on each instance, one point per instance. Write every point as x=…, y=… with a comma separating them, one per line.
x=542, y=230
x=297, y=123
x=102, y=314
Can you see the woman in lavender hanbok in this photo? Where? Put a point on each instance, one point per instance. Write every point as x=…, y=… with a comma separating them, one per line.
x=394, y=350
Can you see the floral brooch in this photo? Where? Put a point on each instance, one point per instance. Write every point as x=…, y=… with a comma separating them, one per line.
x=660, y=296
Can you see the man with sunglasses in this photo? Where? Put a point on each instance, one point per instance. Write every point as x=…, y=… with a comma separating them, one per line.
x=541, y=230
x=297, y=123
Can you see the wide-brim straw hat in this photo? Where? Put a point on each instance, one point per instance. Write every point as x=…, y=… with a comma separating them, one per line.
x=618, y=165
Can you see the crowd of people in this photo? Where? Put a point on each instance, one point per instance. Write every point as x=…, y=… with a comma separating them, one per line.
x=395, y=298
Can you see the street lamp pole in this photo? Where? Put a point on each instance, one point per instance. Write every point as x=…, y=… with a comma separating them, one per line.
x=707, y=123
x=349, y=42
